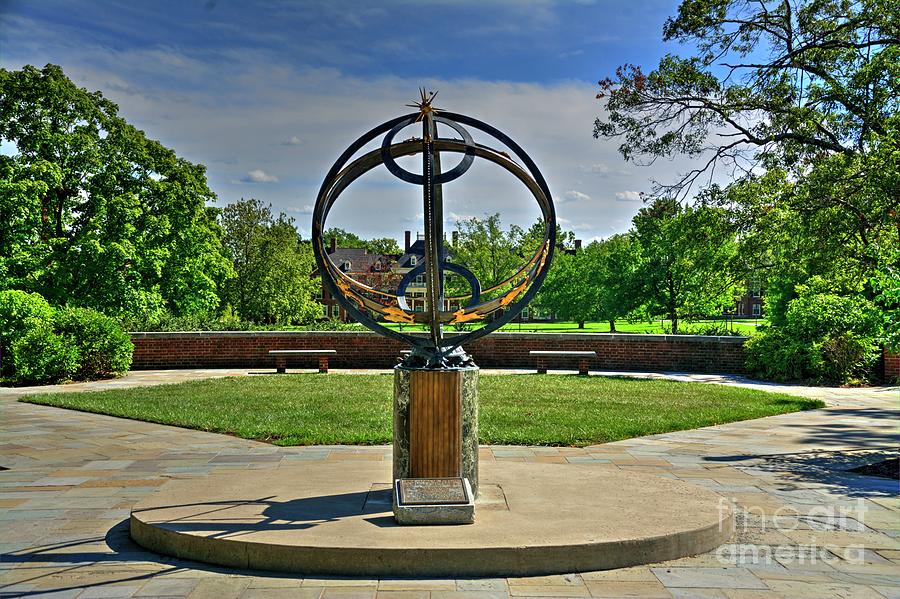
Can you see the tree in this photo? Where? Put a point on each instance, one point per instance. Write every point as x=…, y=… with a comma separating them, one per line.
x=272, y=266
x=798, y=100
x=287, y=293
x=569, y=290
x=686, y=255
x=94, y=213
x=343, y=239
x=245, y=224
x=617, y=275
x=491, y=253
x=598, y=282
x=383, y=246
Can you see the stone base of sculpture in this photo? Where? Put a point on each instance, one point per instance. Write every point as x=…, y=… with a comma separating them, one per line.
x=436, y=424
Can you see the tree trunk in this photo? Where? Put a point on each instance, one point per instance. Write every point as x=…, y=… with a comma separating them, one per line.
x=612, y=326
x=580, y=324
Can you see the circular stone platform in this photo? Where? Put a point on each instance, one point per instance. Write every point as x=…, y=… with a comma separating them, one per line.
x=335, y=518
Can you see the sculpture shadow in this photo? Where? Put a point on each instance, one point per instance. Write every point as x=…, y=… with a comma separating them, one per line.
x=297, y=514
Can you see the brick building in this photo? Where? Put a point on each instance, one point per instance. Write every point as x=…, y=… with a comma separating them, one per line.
x=750, y=305
x=385, y=271
x=374, y=270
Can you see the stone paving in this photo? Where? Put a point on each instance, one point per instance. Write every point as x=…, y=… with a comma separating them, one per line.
x=806, y=527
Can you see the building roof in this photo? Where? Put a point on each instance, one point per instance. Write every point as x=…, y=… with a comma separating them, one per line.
x=360, y=260
x=417, y=249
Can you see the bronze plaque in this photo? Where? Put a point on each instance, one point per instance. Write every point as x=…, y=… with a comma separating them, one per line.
x=432, y=491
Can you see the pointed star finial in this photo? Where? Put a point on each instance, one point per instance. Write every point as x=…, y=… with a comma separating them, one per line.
x=424, y=104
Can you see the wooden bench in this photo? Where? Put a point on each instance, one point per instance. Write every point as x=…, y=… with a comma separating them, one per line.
x=281, y=356
x=583, y=358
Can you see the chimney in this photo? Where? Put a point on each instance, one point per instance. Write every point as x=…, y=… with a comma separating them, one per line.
x=333, y=245
x=577, y=244
x=407, y=236
x=455, y=238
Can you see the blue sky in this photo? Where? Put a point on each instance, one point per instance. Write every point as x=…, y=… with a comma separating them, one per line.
x=267, y=94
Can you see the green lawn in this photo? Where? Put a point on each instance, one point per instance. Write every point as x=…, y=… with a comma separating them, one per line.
x=746, y=326
x=311, y=409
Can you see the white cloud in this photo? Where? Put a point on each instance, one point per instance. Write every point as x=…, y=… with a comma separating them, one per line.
x=305, y=209
x=628, y=196
x=258, y=175
x=603, y=169
x=575, y=196
x=250, y=104
x=292, y=141
x=453, y=217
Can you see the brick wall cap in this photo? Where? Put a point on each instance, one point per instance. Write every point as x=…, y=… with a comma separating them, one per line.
x=626, y=337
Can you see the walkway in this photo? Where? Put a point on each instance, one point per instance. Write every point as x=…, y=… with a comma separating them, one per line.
x=806, y=527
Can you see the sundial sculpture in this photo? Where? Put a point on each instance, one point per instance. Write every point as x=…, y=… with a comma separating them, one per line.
x=435, y=403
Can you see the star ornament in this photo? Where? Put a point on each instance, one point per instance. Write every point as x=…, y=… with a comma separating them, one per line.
x=424, y=104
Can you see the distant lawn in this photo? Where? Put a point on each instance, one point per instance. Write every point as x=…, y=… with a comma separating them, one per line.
x=313, y=409
x=745, y=326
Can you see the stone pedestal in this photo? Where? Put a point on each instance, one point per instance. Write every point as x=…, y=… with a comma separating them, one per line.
x=436, y=424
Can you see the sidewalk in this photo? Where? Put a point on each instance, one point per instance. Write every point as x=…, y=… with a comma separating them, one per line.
x=806, y=527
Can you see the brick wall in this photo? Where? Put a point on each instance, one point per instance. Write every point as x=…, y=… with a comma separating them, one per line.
x=891, y=366
x=220, y=349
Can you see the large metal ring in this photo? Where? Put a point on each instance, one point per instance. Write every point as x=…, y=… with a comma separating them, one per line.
x=364, y=303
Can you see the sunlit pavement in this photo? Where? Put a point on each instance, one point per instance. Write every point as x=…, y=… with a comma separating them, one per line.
x=806, y=527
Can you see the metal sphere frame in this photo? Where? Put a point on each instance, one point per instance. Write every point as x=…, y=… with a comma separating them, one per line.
x=365, y=303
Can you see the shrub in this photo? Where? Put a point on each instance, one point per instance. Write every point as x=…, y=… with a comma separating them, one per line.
x=167, y=322
x=40, y=355
x=824, y=338
x=104, y=349
x=19, y=312
x=772, y=354
x=714, y=329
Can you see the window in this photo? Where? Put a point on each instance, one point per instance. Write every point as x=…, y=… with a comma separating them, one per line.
x=420, y=307
x=740, y=309
x=420, y=279
x=412, y=260
x=755, y=289
x=319, y=293
x=377, y=266
x=345, y=265
x=335, y=311
x=525, y=313
x=757, y=309
x=324, y=311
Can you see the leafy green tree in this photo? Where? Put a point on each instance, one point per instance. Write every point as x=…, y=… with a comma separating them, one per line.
x=272, y=266
x=617, y=276
x=598, y=282
x=348, y=239
x=343, y=239
x=798, y=103
x=383, y=246
x=94, y=213
x=687, y=254
x=489, y=251
x=569, y=290
x=287, y=292
x=245, y=224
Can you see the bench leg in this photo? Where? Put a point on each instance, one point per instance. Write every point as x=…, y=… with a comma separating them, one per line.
x=541, y=366
x=323, y=364
x=280, y=365
x=582, y=366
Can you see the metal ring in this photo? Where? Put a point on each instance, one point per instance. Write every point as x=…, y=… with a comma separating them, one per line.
x=416, y=179
x=462, y=271
x=341, y=175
